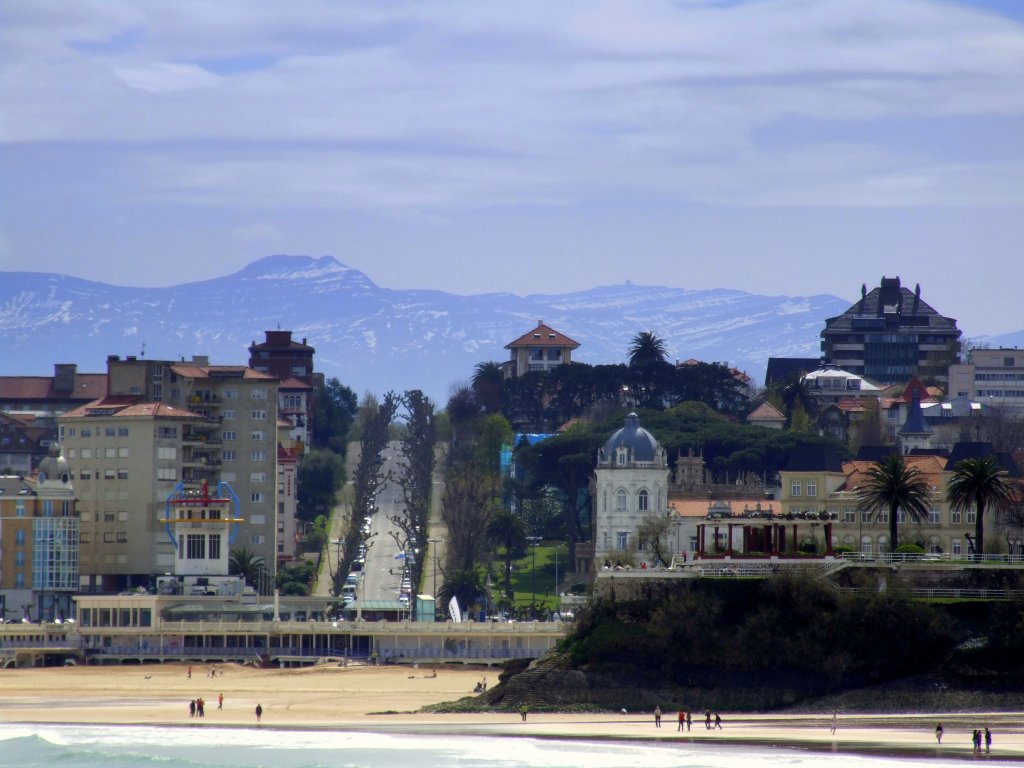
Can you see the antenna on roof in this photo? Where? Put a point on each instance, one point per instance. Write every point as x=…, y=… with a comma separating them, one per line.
x=143, y=352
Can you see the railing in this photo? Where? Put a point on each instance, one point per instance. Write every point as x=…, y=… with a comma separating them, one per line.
x=932, y=557
x=942, y=592
x=15, y=645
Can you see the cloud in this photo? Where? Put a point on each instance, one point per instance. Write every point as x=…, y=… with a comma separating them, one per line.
x=164, y=76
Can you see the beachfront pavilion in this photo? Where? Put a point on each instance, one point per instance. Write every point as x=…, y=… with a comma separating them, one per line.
x=284, y=631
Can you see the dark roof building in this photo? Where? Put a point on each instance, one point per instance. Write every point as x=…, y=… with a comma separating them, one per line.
x=890, y=335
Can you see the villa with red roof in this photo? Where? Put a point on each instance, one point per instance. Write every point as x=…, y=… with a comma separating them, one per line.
x=540, y=350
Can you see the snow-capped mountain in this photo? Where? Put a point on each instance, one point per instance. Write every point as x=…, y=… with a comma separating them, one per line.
x=376, y=339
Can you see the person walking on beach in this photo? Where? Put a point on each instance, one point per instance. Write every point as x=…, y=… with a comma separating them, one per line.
x=220, y=701
x=707, y=719
x=523, y=710
x=938, y=733
x=835, y=720
x=259, y=712
x=718, y=721
x=976, y=739
x=657, y=717
x=190, y=673
x=988, y=740
x=682, y=721
x=689, y=720
x=192, y=708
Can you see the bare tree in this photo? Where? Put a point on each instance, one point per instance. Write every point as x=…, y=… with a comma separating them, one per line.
x=471, y=500
x=415, y=478
x=653, y=531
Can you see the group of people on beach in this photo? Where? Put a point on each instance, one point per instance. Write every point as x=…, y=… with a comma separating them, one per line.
x=978, y=737
x=685, y=720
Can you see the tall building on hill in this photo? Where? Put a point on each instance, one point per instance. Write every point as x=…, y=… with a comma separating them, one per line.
x=992, y=376
x=890, y=335
x=538, y=351
x=292, y=363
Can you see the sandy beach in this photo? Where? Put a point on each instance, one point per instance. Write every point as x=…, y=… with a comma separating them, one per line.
x=386, y=699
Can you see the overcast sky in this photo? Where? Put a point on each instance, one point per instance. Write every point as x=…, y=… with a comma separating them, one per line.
x=775, y=146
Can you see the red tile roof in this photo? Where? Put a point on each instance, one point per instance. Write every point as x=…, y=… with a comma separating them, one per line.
x=766, y=412
x=543, y=336
x=124, y=406
x=88, y=386
x=293, y=383
x=699, y=508
x=930, y=467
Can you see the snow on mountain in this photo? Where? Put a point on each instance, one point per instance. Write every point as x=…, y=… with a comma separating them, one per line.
x=376, y=339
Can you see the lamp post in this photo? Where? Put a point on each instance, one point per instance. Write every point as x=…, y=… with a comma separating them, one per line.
x=433, y=552
x=534, y=541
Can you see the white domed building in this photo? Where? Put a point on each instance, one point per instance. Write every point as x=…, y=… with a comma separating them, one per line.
x=630, y=486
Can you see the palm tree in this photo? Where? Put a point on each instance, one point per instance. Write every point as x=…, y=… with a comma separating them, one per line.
x=647, y=347
x=979, y=483
x=892, y=485
x=247, y=564
x=488, y=383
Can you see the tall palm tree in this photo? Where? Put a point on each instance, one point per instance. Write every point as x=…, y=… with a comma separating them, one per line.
x=247, y=564
x=647, y=347
x=979, y=483
x=892, y=485
x=488, y=383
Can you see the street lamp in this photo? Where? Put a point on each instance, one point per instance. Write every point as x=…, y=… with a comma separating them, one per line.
x=433, y=551
x=534, y=541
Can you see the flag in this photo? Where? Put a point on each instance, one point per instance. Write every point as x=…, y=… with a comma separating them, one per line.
x=453, y=610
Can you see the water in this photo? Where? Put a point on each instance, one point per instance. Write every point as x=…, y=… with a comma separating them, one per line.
x=46, y=746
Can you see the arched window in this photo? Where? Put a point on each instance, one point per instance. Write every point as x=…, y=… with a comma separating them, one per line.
x=620, y=500
x=642, y=501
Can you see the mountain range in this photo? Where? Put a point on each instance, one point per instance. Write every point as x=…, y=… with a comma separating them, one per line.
x=378, y=339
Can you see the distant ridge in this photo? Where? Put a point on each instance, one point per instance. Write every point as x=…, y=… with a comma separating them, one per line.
x=375, y=338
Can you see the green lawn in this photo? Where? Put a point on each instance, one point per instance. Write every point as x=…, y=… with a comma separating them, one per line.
x=526, y=582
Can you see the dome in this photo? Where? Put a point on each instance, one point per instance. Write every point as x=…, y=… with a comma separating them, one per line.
x=641, y=444
x=54, y=466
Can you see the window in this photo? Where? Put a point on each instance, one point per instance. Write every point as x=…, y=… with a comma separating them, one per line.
x=955, y=517
x=110, y=432
x=298, y=370
x=972, y=516
x=19, y=558
x=195, y=546
x=883, y=516
x=109, y=517
x=812, y=488
x=849, y=515
x=214, y=546
x=933, y=516
x=108, y=474
x=620, y=500
x=122, y=431
x=256, y=498
x=83, y=538
x=256, y=436
x=642, y=500
x=257, y=539
x=229, y=394
x=167, y=453
x=19, y=579
x=167, y=432
x=229, y=415
x=622, y=539
x=122, y=453
x=259, y=415
x=866, y=515
x=19, y=508
x=257, y=456
x=122, y=537
x=228, y=455
x=1008, y=362
x=87, y=453
x=795, y=488
x=158, y=392
x=122, y=474
x=86, y=432
x=169, y=474
x=108, y=537
x=110, y=453
x=228, y=434
x=259, y=394
x=257, y=477
x=257, y=519
x=956, y=547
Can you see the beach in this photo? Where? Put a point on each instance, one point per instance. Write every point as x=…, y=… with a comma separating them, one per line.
x=386, y=699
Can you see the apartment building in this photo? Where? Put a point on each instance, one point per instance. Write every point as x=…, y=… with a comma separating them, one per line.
x=890, y=335
x=211, y=423
x=127, y=456
x=994, y=377
x=291, y=362
x=39, y=546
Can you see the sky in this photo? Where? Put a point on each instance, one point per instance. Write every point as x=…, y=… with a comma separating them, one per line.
x=791, y=147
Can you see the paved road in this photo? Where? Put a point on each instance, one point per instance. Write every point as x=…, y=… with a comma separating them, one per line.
x=382, y=573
